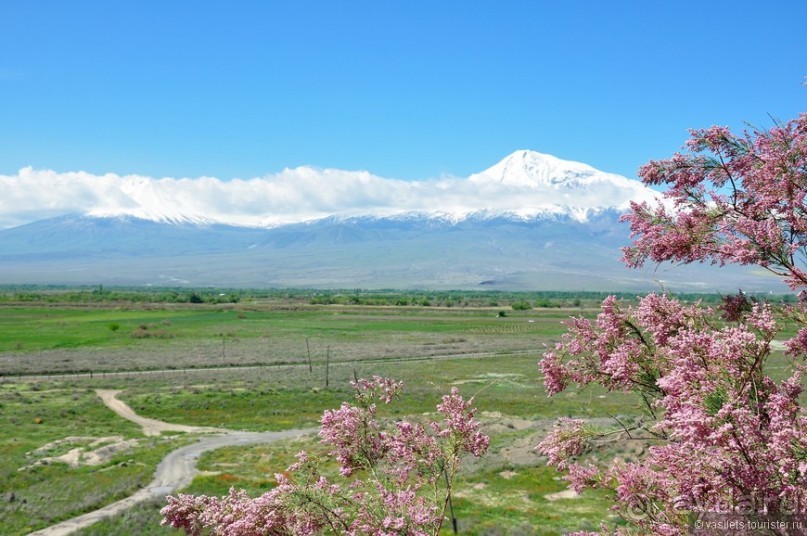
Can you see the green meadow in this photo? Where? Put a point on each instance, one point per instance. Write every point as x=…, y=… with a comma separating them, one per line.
x=273, y=363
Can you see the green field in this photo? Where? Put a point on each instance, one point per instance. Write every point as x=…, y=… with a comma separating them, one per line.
x=58, y=339
x=272, y=364
x=37, y=492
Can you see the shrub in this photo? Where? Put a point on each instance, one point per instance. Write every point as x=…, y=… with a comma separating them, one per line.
x=398, y=477
x=726, y=438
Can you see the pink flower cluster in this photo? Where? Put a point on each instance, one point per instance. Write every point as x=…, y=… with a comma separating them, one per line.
x=724, y=431
x=459, y=426
x=565, y=442
x=735, y=199
x=402, y=476
x=725, y=436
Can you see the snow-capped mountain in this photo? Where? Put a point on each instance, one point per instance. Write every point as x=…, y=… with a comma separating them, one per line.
x=548, y=185
x=148, y=199
x=532, y=221
x=525, y=184
x=534, y=170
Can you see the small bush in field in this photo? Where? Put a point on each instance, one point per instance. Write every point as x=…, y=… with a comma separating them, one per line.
x=397, y=478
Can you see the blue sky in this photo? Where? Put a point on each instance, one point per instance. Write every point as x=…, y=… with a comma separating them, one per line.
x=406, y=90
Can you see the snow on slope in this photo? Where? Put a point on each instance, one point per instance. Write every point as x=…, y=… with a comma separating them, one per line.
x=531, y=169
x=561, y=187
x=146, y=199
x=524, y=185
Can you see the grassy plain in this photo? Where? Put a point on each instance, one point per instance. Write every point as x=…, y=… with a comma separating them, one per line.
x=259, y=365
x=37, y=491
x=62, y=339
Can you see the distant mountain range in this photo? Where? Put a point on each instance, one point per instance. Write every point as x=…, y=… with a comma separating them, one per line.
x=559, y=230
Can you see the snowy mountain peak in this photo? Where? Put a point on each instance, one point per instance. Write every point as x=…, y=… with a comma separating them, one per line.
x=524, y=185
x=531, y=169
x=546, y=185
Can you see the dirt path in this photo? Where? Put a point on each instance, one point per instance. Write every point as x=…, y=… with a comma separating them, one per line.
x=175, y=471
x=151, y=427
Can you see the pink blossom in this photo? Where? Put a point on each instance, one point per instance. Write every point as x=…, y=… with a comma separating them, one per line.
x=384, y=389
x=726, y=437
x=762, y=319
x=761, y=220
x=797, y=346
x=581, y=477
x=555, y=375
x=397, y=465
x=566, y=441
x=460, y=426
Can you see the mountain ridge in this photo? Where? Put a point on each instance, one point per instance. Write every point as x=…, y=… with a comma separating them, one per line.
x=525, y=183
x=503, y=253
x=556, y=229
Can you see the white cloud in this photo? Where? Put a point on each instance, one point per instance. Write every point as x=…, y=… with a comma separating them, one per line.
x=299, y=194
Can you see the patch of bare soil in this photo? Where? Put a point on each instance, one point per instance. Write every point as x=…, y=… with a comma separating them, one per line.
x=565, y=494
x=491, y=377
x=81, y=451
x=518, y=450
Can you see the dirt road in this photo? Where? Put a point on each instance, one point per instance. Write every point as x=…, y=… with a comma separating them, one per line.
x=151, y=427
x=175, y=470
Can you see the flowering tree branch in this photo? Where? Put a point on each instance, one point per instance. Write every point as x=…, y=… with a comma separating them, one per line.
x=724, y=433
x=393, y=475
x=735, y=199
